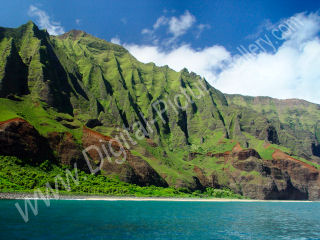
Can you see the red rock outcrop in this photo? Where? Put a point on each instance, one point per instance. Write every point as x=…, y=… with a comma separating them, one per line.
x=19, y=138
x=201, y=176
x=67, y=150
x=284, y=177
x=130, y=168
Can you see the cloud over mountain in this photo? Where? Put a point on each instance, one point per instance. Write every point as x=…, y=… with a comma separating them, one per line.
x=282, y=63
x=44, y=21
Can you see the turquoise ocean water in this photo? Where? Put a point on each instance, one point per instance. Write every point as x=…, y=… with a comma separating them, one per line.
x=77, y=219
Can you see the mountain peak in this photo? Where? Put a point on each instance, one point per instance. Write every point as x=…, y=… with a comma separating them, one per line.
x=74, y=34
x=29, y=25
x=30, y=22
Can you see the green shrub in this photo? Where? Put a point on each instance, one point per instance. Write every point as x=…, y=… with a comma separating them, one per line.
x=18, y=177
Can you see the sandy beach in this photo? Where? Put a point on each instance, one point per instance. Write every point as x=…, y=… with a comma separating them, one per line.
x=131, y=198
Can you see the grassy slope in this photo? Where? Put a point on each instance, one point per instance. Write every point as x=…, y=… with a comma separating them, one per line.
x=38, y=114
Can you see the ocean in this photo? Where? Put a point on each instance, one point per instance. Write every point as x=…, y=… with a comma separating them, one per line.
x=80, y=219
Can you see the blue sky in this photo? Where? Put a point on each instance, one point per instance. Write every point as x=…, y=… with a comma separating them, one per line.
x=227, y=23
x=242, y=47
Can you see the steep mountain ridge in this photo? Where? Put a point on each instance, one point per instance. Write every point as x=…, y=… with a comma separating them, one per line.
x=58, y=84
x=294, y=122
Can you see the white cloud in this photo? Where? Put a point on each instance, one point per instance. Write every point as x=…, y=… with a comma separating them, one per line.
x=53, y=28
x=265, y=25
x=160, y=22
x=78, y=21
x=201, y=28
x=179, y=26
x=291, y=71
x=307, y=27
x=115, y=40
x=205, y=62
x=146, y=31
x=176, y=27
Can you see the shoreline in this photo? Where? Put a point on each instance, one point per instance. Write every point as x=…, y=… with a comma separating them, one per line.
x=30, y=196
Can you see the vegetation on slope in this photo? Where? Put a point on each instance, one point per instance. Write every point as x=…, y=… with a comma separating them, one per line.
x=15, y=176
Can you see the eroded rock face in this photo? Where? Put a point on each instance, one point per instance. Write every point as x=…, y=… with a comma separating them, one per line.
x=19, y=138
x=201, y=176
x=132, y=169
x=270, y=134
x=303, y=180
x=284, y=177
x=67, y=150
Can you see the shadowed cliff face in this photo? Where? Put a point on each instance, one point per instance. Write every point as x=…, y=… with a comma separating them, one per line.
x=193, y=135
x=31, y=65
x=14, y=73
x=19, y=138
